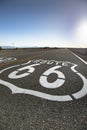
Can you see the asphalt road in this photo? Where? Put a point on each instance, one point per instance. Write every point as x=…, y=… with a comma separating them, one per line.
x=42, y=89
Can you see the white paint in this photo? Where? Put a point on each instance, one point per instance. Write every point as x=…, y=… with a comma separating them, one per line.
x=30, y=69
x=4, y=59
x=16, y=89
x=83, y=91
x=8, y=68
x=43, y=80
x=80, y=58
x=48, y=62
x=73, y=68
x=56, y=84
x=26, y=63
x=14, y=75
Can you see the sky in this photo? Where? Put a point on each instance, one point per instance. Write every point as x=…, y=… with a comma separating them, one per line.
x=39, y=23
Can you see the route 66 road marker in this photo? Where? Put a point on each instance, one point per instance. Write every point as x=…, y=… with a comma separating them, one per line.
x=43, y=80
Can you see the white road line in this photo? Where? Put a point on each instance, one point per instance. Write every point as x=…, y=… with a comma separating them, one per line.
x=8, y=68
x=80, y=58
x=16, y=89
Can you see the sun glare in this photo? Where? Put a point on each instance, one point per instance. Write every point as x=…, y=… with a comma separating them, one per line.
x=81, y=32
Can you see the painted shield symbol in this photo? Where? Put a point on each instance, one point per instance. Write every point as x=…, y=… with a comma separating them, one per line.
x=43, y=79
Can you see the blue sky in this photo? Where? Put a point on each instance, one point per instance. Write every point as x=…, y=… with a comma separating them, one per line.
x=43, y=22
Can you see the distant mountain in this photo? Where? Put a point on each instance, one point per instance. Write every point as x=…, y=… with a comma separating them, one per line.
x=6, y=47
x=11, y=47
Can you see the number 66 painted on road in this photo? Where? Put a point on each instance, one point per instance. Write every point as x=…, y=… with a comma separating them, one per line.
x=43, y=78
x=43, y=81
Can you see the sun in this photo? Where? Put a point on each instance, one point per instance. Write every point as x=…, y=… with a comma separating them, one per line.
x=81, y=31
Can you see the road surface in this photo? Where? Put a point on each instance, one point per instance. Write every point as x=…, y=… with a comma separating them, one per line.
x=42, y=90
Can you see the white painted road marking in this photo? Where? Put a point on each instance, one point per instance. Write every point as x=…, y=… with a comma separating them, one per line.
x=56, y=84
x=83, y=91
x=6, y=59
x=30, y=69
x=15, y=89
x=80, y=58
